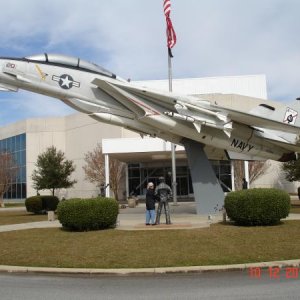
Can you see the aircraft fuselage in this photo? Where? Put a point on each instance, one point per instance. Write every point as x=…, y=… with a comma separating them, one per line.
x=107, y=98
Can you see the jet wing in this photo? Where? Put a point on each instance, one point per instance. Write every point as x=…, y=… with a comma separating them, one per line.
x=182, y=107
x=162, y=98
x=264, y=114
x=214, y=153
x=268, y=121
x=135, y=102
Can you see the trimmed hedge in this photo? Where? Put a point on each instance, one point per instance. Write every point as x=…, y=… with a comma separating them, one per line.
x=88, y=214
x=41, y=204
x=257, y=206
x=49, y=203
x=34, y=204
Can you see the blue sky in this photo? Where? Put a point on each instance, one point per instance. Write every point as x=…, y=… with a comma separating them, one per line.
x=214, y=38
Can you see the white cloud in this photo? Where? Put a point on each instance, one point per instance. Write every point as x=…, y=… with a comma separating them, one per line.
x=215, y=37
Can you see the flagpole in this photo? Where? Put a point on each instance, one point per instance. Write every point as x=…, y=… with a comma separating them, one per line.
x=170, y=71
x=173, y=146
x=171, y=40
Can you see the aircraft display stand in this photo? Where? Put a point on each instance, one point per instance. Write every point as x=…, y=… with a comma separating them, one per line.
x=209, y=196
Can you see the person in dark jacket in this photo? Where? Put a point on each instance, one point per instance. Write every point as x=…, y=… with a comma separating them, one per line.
x=164, y=193
x=150, y=204
x=245, y=184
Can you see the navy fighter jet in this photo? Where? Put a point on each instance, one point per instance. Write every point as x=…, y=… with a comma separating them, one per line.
x=216, y=126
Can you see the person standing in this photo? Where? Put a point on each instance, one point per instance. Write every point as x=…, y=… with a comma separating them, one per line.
x=245, y=184
x=150, y=204
x=164, y=192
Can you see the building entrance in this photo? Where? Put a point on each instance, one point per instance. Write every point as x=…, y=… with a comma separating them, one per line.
x=140, y=174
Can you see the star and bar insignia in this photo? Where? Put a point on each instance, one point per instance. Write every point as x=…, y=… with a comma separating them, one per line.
x=66, y=81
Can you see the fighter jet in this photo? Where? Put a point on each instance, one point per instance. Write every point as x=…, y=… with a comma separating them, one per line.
x=214, y=126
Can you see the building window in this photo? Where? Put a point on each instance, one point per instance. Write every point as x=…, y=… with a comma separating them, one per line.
x=16, y=145
x=222, y=169
x=139, y=175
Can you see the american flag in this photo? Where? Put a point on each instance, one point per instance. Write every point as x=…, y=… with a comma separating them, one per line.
x=171, y=35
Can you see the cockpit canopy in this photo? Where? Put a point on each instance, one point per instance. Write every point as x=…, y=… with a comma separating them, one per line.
x=70, y=61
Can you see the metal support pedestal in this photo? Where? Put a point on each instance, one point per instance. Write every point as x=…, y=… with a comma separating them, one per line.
x=208, y=193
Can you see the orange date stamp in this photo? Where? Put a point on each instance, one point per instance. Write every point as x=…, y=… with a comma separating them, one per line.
x=275, y=272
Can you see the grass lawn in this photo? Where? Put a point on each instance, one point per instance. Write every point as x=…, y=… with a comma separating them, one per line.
x=18, y=217
x=219, y=244
x=21, y=204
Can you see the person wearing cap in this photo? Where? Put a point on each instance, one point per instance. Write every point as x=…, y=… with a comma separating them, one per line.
x=150, y=204
x=164, y=193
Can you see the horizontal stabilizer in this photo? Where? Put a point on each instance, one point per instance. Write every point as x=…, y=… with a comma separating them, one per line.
x=243, y=156
x=278, y=136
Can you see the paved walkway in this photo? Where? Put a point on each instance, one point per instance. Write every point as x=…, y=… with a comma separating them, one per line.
x=183, y=216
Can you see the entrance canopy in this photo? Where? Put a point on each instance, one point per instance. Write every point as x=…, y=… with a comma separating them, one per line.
x=136, y=150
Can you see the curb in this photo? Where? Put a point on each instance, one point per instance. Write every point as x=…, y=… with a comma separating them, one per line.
x=151, y=271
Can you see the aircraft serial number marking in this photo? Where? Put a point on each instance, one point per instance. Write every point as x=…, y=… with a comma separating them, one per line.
x=241, y=145
x=10, y=65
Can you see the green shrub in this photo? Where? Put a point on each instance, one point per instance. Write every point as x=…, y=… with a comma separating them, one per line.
x=257, y=206
x=49, y=202
x=34, y=204
x=41, y=204
x=88, y=214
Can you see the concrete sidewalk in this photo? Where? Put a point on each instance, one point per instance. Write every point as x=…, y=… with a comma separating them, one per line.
x=183, y=216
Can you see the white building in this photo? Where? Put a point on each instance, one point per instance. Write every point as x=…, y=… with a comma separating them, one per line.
x=147, y=159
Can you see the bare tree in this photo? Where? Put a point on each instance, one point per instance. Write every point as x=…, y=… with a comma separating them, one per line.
x=116, y=172
x=95, y=170
x=256, y=169
x=8, y=173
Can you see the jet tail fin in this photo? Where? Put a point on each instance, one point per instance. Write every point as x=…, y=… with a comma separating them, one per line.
x=286, y=115
x=289, y=114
